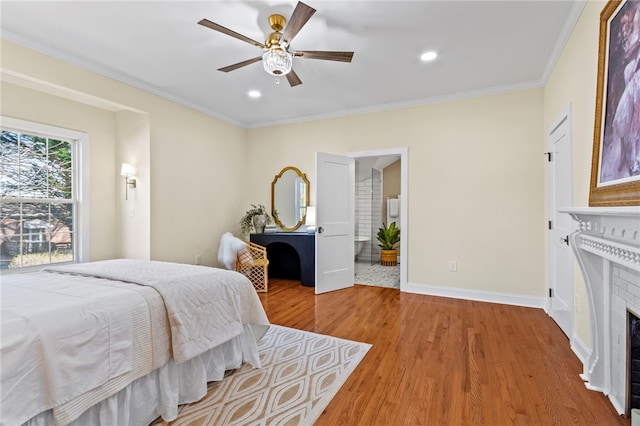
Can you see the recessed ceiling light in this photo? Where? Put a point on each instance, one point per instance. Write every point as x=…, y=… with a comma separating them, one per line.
x=254, y=94
x=428, y=56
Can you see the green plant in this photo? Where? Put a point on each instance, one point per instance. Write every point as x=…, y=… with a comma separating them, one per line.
x=246, y=223
x=388, y=237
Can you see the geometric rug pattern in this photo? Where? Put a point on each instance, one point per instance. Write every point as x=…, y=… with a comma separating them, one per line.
x=301, y=372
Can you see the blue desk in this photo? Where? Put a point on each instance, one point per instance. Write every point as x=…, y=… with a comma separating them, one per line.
x=282, y=248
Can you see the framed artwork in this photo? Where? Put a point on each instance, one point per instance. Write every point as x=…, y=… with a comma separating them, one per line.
x=615, y=165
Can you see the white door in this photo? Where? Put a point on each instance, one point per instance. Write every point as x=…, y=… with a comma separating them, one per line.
x=560, y=196
x=335, y=224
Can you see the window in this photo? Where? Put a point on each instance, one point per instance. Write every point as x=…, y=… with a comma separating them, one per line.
x=40, y=208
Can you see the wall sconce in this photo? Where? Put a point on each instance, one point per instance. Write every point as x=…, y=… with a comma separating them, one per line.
x=311, y=219
x=127, y=171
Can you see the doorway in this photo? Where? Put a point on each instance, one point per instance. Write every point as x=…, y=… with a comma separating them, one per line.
x=380, y=198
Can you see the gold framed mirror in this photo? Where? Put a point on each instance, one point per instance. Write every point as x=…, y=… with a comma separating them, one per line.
x=289, y=198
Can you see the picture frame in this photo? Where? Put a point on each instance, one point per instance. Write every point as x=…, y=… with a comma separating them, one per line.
x=615, y=165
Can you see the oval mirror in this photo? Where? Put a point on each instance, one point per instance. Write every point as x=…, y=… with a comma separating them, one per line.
x=289, y=198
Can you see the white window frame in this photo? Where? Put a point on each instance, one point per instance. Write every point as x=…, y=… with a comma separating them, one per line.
x=80, y=164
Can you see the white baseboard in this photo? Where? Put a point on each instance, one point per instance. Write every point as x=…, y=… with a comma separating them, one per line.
x=617, y=405
x=477, y=295
x=582, y=351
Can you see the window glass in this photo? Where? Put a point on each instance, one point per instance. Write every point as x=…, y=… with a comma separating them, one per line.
x=37, y=200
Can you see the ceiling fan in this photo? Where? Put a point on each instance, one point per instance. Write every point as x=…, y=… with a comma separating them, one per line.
x=278, y=59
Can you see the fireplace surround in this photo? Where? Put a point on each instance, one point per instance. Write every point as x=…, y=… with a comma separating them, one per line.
x=607, y=247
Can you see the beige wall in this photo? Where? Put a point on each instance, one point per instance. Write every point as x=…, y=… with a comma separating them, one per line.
x=390, y=184
x=198, y=174
x=391, y=187
x=133, y=221
x=475, y=182
x=35, y=106
x=573, y=81
x=192, y=173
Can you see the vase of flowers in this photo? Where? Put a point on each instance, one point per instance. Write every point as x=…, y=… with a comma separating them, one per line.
x=254, y=219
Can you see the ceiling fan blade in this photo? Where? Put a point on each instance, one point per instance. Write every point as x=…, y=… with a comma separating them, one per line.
x=300, y=16
x=293, y=78
x=240, y=64
x=327, y=56
x=207, y=23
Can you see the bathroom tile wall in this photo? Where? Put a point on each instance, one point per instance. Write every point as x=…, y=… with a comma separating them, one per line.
x=369, y=213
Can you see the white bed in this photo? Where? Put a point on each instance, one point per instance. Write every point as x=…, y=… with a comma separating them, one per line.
x=122, y=341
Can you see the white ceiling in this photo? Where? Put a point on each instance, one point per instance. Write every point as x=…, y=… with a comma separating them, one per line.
x=483, y=47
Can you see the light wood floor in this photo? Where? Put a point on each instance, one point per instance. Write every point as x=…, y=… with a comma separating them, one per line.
x=444, y=361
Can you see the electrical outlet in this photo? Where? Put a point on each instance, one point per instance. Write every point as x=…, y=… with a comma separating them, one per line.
x=198, y=258
x=453, y=266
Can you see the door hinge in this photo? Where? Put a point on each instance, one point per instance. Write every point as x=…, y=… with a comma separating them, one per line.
x=550, y=292
x=549, y=156
x=550, y=225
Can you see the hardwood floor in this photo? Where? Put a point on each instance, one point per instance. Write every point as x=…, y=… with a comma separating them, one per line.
x=444, y=361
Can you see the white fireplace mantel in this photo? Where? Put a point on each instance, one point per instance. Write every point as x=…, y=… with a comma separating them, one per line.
x=607, y=240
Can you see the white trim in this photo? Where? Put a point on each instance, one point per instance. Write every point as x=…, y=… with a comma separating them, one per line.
x=81, y=161
x=477, y=295
x=403, y=152
x=563, y=38
x=404, y=104
x=582, y=351
x=39, y=128
x=83, y=220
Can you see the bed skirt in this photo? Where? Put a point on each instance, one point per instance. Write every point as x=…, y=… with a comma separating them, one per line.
x=159, y=393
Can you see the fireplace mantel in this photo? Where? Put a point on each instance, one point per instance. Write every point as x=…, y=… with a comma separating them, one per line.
x=607, y=240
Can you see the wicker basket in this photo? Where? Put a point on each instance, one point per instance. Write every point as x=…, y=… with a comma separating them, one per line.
x=389, y=257
x=253, y=264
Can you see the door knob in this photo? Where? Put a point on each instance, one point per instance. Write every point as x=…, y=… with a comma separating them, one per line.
x=565, y=240
x=320, y=229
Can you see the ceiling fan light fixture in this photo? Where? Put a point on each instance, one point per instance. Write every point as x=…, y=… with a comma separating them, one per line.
x=428, y=56
x=277, y=61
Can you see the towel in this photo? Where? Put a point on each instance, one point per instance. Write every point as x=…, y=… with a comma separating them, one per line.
x=230, y=246
x=394, y=207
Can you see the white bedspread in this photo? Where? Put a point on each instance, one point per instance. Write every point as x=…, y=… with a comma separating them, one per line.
x=60, y=338
x=206, y=306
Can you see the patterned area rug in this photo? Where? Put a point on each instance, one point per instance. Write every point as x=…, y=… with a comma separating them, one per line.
x=301, y=372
